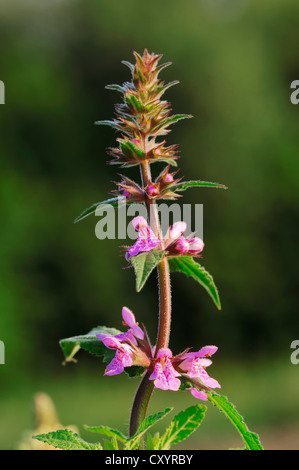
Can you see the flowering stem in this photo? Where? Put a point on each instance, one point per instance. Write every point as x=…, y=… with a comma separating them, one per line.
x=146, y=386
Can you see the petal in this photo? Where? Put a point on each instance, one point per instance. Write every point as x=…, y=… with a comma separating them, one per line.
x=139, y=222
x=178, y=229
x=164, y=352
x=182, y=245
x=198, y=393
x=206, y=351
x=111, y=342
x=196, y=245
x=129, y=319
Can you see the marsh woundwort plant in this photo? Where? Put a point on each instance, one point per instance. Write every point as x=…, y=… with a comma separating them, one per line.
x=142, y=120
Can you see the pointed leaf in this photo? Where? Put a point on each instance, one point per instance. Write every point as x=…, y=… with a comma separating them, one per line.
x=67, y=440
x=187, y=265
x=250, y=439
x=197, y=184
x=116, y=87
x=184, y=424
x=90, y=343
x=170, y=120
x=115, y=201
x=144, y=264
x=134, y=441
x=109, y=432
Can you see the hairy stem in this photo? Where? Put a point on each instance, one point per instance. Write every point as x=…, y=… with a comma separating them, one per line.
x=146, y=386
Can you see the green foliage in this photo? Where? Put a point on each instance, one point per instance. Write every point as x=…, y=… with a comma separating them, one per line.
x=133, y=442
x=184, y=424
x=67, y=440
x=187, y=266
x=90, y=343
x=106, y=431
x=250, y=439
x=115, y=201
x=197, y=184
x=144, y=264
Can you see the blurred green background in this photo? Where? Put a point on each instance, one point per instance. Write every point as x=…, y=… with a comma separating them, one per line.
x=235, y=60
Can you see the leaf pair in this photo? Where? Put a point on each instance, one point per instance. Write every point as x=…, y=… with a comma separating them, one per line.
x=144, y=264
x=182, y=186
x=184, y=424
x=181, y=427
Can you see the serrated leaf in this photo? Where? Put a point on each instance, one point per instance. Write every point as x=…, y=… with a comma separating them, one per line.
x=184, y=424
x=115, y=201
x=67, y=440
x=109, y=432
x=250, y=439
x=187, y=265
x=197, y=184
x=170, y=120
x=90, y=343
x=134, y=441
x=153, y=442
x=144, y=264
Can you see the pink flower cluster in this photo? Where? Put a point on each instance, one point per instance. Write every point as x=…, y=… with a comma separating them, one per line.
x=175, y=242
x=133, y=348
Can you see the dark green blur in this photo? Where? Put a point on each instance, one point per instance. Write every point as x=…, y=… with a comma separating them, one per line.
x=235, y=61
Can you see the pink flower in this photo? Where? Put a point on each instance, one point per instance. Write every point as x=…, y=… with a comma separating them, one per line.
x=196, y=245
x=129, y=320
x=152, y=190
x=169, y=178
x=146, y=239
x=182, y=245
x=194, y=365
x=177, y=243
x=131, y=346
x=123, y=358
x=164, y=374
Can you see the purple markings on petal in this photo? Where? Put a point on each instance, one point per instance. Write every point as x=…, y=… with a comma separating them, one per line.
x=146, y=239
x=164, y=374
x=182, y=245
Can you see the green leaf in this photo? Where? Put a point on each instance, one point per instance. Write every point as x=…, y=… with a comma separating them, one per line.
x=250, y=439
x=109, y=432
x=197, y=184
x=114, y=124
x=153, y=441
x=113, y=444
x=184, y=424
x=90, y=343
x=187, y=265
x=116, y=87
x=67, y=440
x=115, y=201
x=133, y=442
x=144, y=264
x=130, y=149
x=170, y=120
